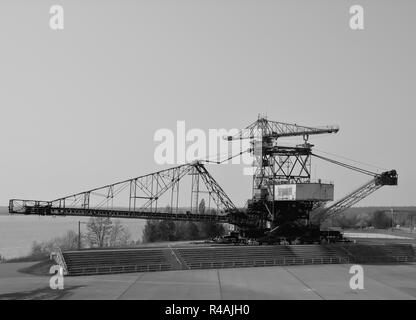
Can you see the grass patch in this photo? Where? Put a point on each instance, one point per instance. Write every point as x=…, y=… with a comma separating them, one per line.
x=39, y=269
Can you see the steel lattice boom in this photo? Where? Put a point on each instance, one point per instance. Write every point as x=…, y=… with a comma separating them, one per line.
x=274, y=129
x=141, y=198
x=386, y=178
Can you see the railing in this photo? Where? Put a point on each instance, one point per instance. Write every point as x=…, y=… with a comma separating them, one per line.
x=107, y=269
x=103, y=269
x=385, y=259
x=300, y=261
x=59, y=259
x=271, y=262
x=181, y=261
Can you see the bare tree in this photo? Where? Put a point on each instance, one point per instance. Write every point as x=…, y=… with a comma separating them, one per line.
x=102, y=232
x=98, y=231
x=119, y=235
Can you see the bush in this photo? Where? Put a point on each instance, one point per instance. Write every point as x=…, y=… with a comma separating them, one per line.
x=42, y=250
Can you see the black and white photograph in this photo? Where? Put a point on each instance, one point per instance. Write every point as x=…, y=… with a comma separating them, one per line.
x=207, y=155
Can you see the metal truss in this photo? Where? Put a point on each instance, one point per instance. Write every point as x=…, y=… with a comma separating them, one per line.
x=285, y=164
x=274, y=129
x=140, y=198
x=276, y=164
x=351, y=199
x=386, y=178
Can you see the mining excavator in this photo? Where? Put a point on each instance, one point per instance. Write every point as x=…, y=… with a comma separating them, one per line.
x=284, y=197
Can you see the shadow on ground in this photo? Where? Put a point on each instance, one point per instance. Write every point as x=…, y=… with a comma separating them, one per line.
x=39, y=294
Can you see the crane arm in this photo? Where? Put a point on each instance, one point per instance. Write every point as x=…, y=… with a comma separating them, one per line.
x=137, y=198
x=351, y=199
x=378, y=180
x=263, y=127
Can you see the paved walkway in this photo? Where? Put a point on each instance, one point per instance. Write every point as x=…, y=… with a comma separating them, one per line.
x=288, y=282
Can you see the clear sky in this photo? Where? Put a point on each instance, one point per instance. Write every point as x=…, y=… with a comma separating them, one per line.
x=79, y=107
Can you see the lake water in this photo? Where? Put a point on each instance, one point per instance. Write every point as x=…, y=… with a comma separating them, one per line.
x=17, y=233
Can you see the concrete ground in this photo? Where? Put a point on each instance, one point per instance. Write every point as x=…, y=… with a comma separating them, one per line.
x=283, y=282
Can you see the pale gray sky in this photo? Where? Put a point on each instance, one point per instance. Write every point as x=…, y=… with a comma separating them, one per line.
x=79, y=107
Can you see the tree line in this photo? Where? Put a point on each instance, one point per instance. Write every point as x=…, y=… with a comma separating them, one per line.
x=379, y=219
x=166, y=230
